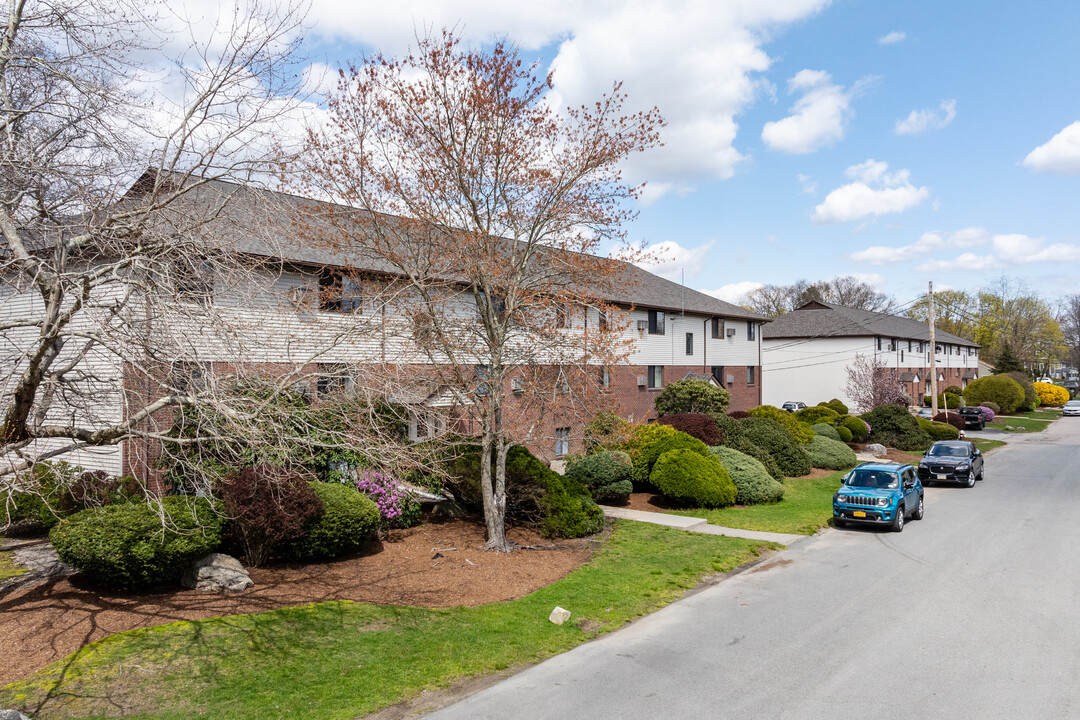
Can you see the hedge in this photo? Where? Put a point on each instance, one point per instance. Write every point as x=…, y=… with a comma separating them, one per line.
x=698, y=425
x=829, y=454
x=827, y=431
x=801, y=432
x=774, y=438
x=130, y=545
x=1050, y=394
x=815, y=415
x=893, y=426
x=349, y=517
x=938, y=431
x=606, y=475
x=752, y=480
x=688, y=477
x=1001, y=390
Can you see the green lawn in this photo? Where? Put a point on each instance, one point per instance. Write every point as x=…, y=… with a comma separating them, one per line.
x=806, y=507
x=344, y=660
x=8, y=567
x=1039, y=414
x=1018, y=421
x=985, y=445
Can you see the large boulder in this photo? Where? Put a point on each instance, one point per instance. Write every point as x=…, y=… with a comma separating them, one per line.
x=12, y=715
x=217, y=572
x=875, y=449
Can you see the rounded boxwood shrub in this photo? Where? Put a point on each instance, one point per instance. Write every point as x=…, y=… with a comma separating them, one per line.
x=829, y=454
x=752, y=481
x=835, y=404
x=953, y=419
x=893, y=426
x=1001, y=390
x=698, y=425
x=1031, y=396
x=1052, y=395
x=801, y=432
x=817, y=414
x=844, y=433
x=568, y=510
x=953, y=390
x=774, y=438
x=691, y=396
x=949, y=400
x=690, y=478
x=992, y=406
x=938, y=430
x=647, y=456
x=827, y=431
x=857, y=427
x=129, y=545
x=606, y=475
x=349, y=517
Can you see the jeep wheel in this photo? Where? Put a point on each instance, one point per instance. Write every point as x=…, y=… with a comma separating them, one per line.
x=919, y=511
x=898, y=521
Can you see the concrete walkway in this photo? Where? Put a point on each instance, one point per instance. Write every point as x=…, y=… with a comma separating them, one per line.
x=698, y=525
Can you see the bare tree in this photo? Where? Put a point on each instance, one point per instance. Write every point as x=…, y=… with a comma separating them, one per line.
x=846, y=290
x=1069, y=317
x=872, y=383
x=111, y=217
x=482, y=208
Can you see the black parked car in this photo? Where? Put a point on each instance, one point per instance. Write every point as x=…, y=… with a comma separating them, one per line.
x=973, y=417
x=957, y=461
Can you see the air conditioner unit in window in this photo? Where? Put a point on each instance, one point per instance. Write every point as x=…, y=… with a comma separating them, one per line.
x=642, y=381
x=731, y=332
x=730, y=379
x=642, y=325
x=518, y=386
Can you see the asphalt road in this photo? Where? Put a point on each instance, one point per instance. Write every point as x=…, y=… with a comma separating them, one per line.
x=973, y=612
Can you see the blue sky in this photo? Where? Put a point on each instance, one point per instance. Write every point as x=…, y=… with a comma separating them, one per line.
x=900, y=142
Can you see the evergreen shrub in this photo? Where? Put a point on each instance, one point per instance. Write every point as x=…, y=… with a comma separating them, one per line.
x=129, y=545
x=647, y=456
x=752, y=481
x=817, y=414
x=839, y=407
x=1002, y=390
x=690, y=478
x=799, y=431
x=893, y=426
x=856, y=426
x=844, y=433
x=348, y=519
x=691, y=396
x=827, y=431
x=992, y=407
x=777, y=441
x=829, y=454
x=944, y=400
x=698, y=425
x=606, y=475
x=938, y=430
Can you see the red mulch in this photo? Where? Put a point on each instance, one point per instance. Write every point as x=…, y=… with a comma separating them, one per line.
x=45, y=622
x=891, y=454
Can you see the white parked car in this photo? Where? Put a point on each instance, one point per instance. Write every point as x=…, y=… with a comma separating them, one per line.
x=1071, y=408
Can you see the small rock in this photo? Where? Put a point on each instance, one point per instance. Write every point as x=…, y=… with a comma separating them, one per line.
x=876, y=449
x=559, y=616
x=217, y=572
x=447, y=509
x=12, y=715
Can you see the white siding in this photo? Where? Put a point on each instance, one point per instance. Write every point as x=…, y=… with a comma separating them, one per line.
x=812, y=371
x=670, y=348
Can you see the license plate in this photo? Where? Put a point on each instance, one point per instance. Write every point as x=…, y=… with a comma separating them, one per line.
x=942, y=477
x=858, y=513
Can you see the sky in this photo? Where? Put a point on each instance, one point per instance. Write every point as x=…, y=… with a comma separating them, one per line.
x=900, y=142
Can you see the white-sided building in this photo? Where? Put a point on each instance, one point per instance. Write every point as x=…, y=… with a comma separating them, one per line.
x=806, y=353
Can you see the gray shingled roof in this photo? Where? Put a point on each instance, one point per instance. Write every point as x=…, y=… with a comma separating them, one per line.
x=261, y=222
x=821, y=319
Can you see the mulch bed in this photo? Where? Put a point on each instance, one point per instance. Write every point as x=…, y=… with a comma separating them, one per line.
x=47, y=621
x=891, y=454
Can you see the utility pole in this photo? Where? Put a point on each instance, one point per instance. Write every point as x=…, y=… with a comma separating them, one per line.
x=933, y=353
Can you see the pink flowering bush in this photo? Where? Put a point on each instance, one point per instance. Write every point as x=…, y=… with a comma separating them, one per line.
x=396, y=507
x=987, y=413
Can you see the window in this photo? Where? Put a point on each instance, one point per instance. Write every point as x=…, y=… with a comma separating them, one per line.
x=718, y=374
x=602, y=322
x=339, y=293
x=689, y=343
x=750, y=375
x=656, y=376
x=195, y=282
x=482, y=373
x=656, y=322
x=425, y=425
x=879, y=343
x=750, y=328
x=717, y=328
x=909, y=346
x=605, y=378
x=892, y=345
x=901, y=356
x=190, y=377
x=333, y=378
x=562, y=315
x=562, y=441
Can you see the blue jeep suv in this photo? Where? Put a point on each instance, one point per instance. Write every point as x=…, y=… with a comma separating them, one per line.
x=879, y=494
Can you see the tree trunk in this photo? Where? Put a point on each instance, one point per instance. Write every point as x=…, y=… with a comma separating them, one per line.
x=494, y=501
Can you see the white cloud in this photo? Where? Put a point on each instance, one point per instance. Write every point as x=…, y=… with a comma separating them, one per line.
x=874, y=192
x=927, y=243
x=698, y=62
x=874, y=279
x=892, y=38
x=1061, y=155
x=929, y=119
x=734, y=292
x=1005, y=251
x=809, y=187
x=966, y=261
x=669, y=259
x=818, y=117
